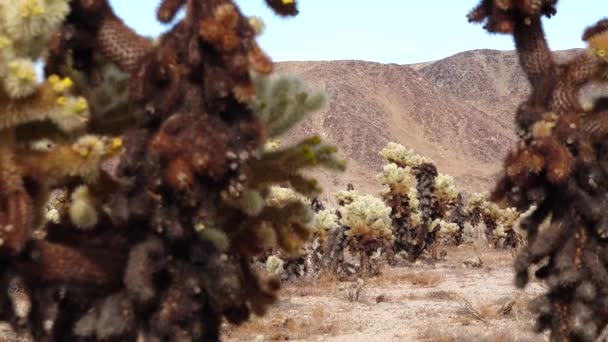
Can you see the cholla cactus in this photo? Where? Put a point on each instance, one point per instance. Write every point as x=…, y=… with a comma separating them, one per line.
x=558, y=167
x=402, y=156
x=459, y=215
x=418, y=195
x=25, y=28
x=368, y=219
x=506, y=233
x=499, y=222
x=369, y=226
x=169, y=214
x=345, y=197
x=445, y=191
x=399, y=180
x=442, y=227
x=323, y=222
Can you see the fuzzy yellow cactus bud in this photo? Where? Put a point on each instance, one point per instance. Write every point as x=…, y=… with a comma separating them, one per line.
x=20, y=80
x=71, y=114
x=81, y=105
x=53, y=79
x=30, y=8
x=82, y=210
x=89, y=145
x=60, y=86
x=599, y=44
x=116, y=143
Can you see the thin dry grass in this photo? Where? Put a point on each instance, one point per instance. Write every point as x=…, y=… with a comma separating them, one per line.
x=439, y=296
x=432, y=333
x=280, y=326
x=415, y=278
x=325, y=284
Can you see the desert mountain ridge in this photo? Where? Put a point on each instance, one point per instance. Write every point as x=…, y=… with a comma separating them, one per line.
x=458, y=111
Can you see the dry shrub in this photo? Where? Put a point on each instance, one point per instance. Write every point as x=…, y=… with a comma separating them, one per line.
x=353, y=292
x=469, y=312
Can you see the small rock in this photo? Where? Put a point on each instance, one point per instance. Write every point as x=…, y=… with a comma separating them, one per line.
x=475, y=262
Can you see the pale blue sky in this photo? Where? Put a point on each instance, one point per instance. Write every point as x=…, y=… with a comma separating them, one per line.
x=387, y=31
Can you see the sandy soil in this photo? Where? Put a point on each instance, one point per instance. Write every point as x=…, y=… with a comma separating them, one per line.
x=421, y=302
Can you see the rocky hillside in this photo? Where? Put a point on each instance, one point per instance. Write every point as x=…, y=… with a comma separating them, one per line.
x=457, y=111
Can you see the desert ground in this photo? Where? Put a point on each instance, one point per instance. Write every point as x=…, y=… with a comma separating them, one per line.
x=453, y=299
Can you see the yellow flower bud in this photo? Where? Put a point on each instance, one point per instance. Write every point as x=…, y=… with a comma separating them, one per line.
x=67, y=83
x=116, y=143
x=53, y=79
x=81, y=105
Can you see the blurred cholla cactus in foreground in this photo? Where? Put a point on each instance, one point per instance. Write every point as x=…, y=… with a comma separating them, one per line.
x=153, y=233
x=58, y=116
x=279, y=196
x=559, y=167
x=282, y=101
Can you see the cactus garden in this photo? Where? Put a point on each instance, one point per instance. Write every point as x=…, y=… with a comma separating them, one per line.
x=183, y=186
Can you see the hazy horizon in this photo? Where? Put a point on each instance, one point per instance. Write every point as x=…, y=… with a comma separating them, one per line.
x=387, y=31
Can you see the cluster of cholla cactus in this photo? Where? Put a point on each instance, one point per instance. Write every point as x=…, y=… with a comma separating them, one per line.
x=422, y=201
x=367, y=230
x=135, y=186
x=359, y=228
x=500, y=223
x=559, y=166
